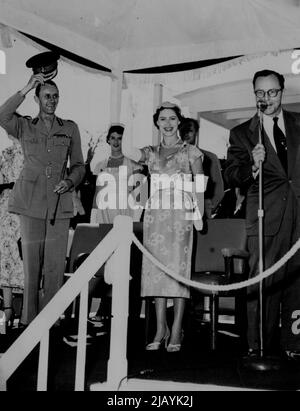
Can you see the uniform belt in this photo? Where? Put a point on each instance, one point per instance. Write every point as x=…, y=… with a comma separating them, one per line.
x=48, y=170
x=51, y=171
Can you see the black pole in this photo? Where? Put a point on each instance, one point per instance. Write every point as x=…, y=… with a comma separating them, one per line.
x=261, y=242
x=62, y=174
x=261, y=362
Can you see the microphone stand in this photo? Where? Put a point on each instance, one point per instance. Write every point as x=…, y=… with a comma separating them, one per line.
x=261, y=362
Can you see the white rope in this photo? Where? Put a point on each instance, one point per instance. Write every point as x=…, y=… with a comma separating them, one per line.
x=228, y=287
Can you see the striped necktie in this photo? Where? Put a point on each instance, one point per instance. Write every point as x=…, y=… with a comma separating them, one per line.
x=280, y=142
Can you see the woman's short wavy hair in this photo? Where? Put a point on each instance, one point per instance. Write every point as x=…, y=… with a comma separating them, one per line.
x=169, y=106
x=115, y=128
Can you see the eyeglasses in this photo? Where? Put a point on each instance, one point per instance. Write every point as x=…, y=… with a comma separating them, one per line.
x=271, y=93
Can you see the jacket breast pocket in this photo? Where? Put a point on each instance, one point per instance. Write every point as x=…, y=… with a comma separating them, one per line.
x=61, y=146
x=31, y=145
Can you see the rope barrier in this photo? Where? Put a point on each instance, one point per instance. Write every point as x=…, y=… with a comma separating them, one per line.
x=228, y=287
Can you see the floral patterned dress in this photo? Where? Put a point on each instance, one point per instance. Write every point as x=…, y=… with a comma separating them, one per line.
x=168, y=229
x=11, y=266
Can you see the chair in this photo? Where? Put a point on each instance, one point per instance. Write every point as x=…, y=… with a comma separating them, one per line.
x=86, y=238
x=220, y=257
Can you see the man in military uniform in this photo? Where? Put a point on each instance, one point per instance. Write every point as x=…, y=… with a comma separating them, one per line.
x=48, y=142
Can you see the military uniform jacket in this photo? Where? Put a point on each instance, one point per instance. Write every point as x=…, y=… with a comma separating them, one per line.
x=44, y=156
x=277, y=184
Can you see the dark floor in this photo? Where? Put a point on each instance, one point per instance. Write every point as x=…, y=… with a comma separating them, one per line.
x=193, y=364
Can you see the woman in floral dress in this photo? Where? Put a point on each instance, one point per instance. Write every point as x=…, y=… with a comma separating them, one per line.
x=11, y=266
x=168, y=228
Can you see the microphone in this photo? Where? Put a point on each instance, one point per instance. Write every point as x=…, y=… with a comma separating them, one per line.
x=261, y=105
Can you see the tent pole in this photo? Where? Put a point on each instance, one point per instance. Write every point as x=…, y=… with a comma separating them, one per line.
x=116, y=96
x=157, y=100
x=198, y=118
x=5, y=36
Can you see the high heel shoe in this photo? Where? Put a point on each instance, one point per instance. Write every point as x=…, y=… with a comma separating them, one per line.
x=175, y=347
x=9, y=323
x=155, y=345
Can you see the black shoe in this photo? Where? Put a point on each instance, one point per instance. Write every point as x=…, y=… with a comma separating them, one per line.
x=293, y=355
x=21, y=327
x=252, y=353
x=72, y=339
x=91, y=329
x=95, y=322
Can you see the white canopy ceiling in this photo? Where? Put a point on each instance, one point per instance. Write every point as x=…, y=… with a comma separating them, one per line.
x=226, y=96
x=137, y=34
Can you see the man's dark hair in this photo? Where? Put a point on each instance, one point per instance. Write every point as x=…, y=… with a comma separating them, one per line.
x=114, y=129
x=185, y=125
x=266, y=73
x=47, y=83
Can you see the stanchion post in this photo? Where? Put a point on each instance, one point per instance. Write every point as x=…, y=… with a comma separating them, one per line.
x=261, y=362
x=260, y=215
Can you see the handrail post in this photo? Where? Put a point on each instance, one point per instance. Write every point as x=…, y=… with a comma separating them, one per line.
x=43, y=363
x=38, y=328
x=82, y=334
x=117, y=273
x=3, y=383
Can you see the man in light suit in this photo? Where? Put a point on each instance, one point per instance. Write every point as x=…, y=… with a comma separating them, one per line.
x=280, y=156
x=189, y=129
x=48, y=142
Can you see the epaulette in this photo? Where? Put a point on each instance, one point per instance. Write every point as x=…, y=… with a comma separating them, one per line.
x=35, y=120
x=60, y=122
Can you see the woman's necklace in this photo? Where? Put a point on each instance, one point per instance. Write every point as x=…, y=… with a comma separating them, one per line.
x=115, y=157
x=170, y=145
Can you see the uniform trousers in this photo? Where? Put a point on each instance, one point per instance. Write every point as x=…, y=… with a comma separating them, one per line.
x=44, y=249
x=281, y=292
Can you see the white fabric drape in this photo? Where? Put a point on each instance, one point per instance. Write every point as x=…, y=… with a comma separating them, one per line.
x=136, y=34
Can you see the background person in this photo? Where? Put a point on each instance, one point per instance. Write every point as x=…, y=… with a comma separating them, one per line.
x=111, y=165
x=281, y=193
x=106, y=215
x=47, y=142
x=214, y=193
x=168, y=234
x=11, y=266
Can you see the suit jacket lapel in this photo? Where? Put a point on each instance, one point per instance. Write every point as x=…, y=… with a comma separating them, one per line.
x=292, y=129
x=272, y=160
x=253, y=130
